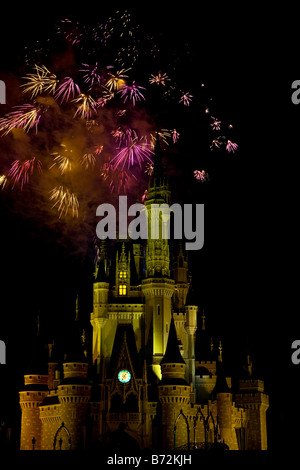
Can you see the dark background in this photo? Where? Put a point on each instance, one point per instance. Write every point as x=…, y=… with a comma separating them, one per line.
x=247, y=272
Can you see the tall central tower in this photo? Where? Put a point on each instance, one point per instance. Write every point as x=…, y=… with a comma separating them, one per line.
x=157, y=286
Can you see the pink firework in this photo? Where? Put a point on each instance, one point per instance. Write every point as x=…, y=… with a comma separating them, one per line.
x=201, y=175
x=26, y=117
x=175, y=136
x=149, y=169
x=98, y=149
x=92, y=74
x=132, y=92
x=216, y=124
x=68, y=89
x=186, y=98
x=134, y=152
x=21, y=171
x=231, y=146
x=145, y=196
x=159, y=79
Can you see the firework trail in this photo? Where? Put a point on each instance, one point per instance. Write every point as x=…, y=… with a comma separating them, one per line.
x=20, y=172
x=64, y=201
x=25, y=117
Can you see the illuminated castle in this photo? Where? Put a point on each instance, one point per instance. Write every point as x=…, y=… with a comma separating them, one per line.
x=143, y=384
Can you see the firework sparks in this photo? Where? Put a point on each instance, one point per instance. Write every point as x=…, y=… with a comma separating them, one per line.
x=21, y=171
x=133, y=150
x=163, y=135
x=3, y=181
x=186, y=98
x=217, y=142
x=43, y=80
x=149, y=169
x=231, y=146
x=63, y=163
x=86, y=107
x=90, y=102
x=201, y=175
x=67, y=89
x=216, y=124
x=98, y=149
x=175, y=136
x=107, y=95
x=132, y=92
x=116, y=81
x=159, y=79
x=26, y=117
x=92, y=74
x=64, y=201
x=145, y=196
x=88, y=160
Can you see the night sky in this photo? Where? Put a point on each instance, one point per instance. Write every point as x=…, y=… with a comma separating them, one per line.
x=247, y=271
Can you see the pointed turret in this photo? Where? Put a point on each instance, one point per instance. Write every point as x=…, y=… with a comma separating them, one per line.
x=158, y=177
x=172, y=354
x=221, y=382
x=158, y=186
x=174, y=392
x=34, y=391
x=223, y=396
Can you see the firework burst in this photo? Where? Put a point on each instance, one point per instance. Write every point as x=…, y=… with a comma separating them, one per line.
x=87, y=106
x=132, y=92
x=25, y=116
x=116, y=81
x=41, y=81
x=67, y=89
x=65, y=202
x=20, y=172
x=102, y=110
x=201, y=175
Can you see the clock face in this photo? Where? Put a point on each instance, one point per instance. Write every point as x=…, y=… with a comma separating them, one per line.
x=124, y=376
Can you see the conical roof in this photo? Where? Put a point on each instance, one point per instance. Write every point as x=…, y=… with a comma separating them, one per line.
x=172, y=354
x=221, y=382
x=74, y=349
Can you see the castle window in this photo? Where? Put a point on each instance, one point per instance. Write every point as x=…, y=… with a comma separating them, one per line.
x=158, y=310
x=122, y=275
x=122, y=289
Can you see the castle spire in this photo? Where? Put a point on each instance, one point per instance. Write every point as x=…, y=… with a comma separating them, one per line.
x=172, y=354
x=157, y=173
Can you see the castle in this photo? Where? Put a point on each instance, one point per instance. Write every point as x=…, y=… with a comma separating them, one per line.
x=143, y=385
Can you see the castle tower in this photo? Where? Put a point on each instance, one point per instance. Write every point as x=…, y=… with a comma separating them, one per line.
x=191, y=310
x=174, y=393
x=251, y=396
x=180, y=268
x=223, y=396
x=31, y=396
x=122, y=272
x=100, y=300
x=74, y=393
x=157, y=286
